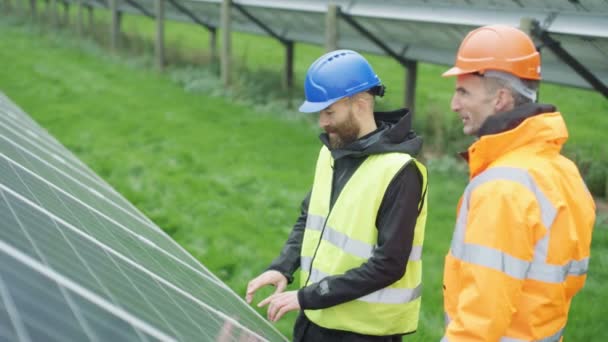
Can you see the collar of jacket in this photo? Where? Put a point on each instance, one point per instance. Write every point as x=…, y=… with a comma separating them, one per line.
x=394, y=134
x=536, y=127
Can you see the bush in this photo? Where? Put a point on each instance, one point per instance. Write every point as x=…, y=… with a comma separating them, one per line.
x=592, y=162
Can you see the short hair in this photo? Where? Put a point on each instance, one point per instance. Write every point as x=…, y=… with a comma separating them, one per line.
x=492, y=84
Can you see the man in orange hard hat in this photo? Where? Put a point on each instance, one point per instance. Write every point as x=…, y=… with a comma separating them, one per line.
x=520, y=248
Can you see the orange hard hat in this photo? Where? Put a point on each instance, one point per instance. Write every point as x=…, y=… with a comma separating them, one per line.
x=497, y=47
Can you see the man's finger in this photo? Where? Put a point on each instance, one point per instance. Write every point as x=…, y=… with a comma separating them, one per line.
x=272, y=309
x=249, y=294
x=265, y=301
x=282, y=310
x=253, y=286
x=280, y=287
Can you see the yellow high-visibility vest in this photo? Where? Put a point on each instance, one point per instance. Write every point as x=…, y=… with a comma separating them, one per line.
x=348, y=235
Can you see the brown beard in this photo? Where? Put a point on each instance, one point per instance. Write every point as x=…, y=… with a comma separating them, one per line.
x=345, y=133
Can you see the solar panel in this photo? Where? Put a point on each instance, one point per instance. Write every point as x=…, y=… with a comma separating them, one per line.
x=79, y=262
x=422, y=30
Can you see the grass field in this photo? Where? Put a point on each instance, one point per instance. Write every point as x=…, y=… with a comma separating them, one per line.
x=220, y=175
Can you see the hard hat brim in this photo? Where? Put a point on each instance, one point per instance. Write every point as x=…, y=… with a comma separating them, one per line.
x=456, y=71
x=313, y=107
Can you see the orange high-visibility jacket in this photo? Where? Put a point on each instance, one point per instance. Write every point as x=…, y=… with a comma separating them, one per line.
x=520, y=249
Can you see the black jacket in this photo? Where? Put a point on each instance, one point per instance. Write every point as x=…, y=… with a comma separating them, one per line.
x=395, y=221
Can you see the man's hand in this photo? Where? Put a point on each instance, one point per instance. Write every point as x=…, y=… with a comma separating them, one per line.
x=271, y=277
x=280, y=304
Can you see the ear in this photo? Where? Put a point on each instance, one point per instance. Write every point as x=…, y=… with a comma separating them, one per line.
x=503, y=101
x=364, y=103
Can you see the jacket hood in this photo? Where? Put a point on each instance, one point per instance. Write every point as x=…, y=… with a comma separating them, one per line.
x=394, y=134
x=502, y=122
x=532, y=126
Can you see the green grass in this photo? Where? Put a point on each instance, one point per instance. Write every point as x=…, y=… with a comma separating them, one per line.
x=225, y=177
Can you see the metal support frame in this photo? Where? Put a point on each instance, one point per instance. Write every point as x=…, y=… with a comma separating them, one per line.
x=410, y=65
x=288, y=44
x=258, y=22
x=192, y=16
x=141, y=8
x=212, y=29
x=556, y=47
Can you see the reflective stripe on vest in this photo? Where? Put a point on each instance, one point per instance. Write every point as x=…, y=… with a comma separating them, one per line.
x=350, y=246
x=498, y=260
x=385, y=295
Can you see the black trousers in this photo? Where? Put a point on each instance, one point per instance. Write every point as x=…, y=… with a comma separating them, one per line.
x=307, y=331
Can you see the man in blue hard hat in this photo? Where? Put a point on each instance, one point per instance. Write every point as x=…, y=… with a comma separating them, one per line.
x=358, y=240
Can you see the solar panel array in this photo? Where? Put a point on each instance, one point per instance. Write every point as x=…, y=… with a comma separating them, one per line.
x=421, y=30
x=79, y=262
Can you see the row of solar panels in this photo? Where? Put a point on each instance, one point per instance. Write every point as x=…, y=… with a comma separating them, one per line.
x=423, y=30
x=78, y=262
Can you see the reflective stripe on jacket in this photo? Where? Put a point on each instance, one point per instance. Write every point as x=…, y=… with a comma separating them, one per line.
x=520, y=248
x=342, y=239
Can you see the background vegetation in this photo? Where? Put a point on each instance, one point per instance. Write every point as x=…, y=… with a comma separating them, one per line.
x=223, y=171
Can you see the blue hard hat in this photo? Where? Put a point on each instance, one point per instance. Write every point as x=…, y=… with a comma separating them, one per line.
x=336, y=75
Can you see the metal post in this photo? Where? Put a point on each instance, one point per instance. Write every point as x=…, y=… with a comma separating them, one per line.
x=213, y=45
x=66, y=13
x=52, y=7
x=160, y=34
x=33, y=8
x=331, y=28
x=410, y=86
x=114, y=25
x=288, y=80
x=91, y=17
x=6, y=5
x=80, y=19
x=226, y=53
